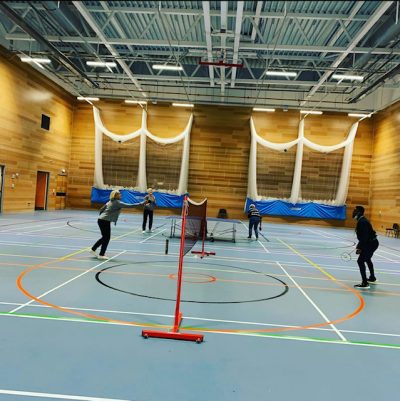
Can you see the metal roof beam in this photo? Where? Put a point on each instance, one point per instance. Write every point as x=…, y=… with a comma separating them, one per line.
x=207, y=26
x=163, y=78
x=236, y=43
x=224, y=26
x=200, y=45
x=213, y=13
x=90, y=20
x=35, y=36
x=256, y=20
x=361, y=33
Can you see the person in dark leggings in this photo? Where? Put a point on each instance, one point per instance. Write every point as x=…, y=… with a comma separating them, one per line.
x=254, y=220
x=367, y=245
x=149, y=205
x=109, y=213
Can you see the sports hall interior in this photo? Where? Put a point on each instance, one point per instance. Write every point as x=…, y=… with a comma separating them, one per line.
x=69, y=337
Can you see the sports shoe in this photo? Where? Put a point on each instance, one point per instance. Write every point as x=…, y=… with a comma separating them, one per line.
x=93, y=253
x=149, y=231
x=143, y=231
x=102, y=257
x=362, y=286
x=372, y=280
x=248, y=237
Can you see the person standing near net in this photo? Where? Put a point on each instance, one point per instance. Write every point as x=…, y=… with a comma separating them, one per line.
x=367, y=245
x=148, y=210
x=254, y=220
x=109, y=213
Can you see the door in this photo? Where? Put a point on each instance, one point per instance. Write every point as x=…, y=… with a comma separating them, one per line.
x=1, y=186
x=61, y=191
x=42, y=183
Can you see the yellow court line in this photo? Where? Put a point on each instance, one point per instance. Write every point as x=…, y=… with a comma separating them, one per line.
x=309, y=261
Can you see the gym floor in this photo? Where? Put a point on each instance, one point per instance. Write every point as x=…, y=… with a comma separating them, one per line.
x=280, y=317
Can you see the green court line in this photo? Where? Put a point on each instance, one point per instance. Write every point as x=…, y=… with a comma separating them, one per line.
x=212, y=331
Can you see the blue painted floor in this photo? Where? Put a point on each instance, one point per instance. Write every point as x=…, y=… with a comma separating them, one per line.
x=280, y=318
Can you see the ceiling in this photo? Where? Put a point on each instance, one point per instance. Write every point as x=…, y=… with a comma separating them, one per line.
x=314, y=39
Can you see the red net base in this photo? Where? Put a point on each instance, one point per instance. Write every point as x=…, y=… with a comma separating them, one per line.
x=173, y=335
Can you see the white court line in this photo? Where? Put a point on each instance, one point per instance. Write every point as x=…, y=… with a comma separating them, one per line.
x=40, y=230
x=265, y=249
x=151, y=236
x=22, y=228
x=65, y=283
x=243, y=332
x=312, y=303
x=203, y=319
x=319, y=233
x=58, y=396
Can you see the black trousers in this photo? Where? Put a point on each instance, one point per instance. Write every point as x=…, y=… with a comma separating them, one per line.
x=365, y=258
x=147, y=213
x=105, y=228
x=253, y=223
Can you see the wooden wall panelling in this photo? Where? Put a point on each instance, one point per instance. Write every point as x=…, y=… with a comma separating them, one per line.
x=385, y=177
x=25, y=148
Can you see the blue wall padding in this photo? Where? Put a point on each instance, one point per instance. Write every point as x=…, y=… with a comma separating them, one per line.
x=309, y=209
x=162, y=199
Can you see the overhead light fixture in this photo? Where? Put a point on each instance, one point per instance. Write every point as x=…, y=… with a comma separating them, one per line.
x=263, y=109
x=101, y=64
x=92, y=99
x=183, y=104
x=316, y=112
x=281, y=74
x=38, y=60
x=348, y=77
x=167, y=67
x=135, y=101
x=359, y=115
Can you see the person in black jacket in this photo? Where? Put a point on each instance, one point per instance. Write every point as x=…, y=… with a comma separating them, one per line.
x=255, y=220
x=367, y=245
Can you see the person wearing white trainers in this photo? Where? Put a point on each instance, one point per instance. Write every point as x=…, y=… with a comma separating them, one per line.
x=148, y=210
x=109, y=213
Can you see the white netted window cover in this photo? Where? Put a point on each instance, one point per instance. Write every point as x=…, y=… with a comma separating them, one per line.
x=140, y=135
x=301, y=141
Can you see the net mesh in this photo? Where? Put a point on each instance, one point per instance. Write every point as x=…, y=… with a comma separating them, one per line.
x=120, y=162
x=275, y=172
x=194, y=221
x=163, y=164
x=320, y=174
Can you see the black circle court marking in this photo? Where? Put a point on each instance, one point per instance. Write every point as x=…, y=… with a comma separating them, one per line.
x=283, y=292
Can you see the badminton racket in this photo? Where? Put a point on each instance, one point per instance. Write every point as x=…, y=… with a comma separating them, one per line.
x=347, y=256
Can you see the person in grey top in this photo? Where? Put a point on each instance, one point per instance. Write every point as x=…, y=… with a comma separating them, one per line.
x=109, y=213
x=149, y=205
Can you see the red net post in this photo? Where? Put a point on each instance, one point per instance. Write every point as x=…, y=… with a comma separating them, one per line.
x=185, y=246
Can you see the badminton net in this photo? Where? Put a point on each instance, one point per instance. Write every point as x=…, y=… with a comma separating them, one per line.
x=193, y=223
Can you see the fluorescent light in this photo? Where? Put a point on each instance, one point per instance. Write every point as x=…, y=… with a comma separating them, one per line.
x=359, y=115
x=167, y=67
x=281, y=74
x=311, y=112
x=136, y=101
x=263, y=109
x=35, y=60
x=92, y=99
x=348, y=77
x=101, y=64
x=183, y=104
